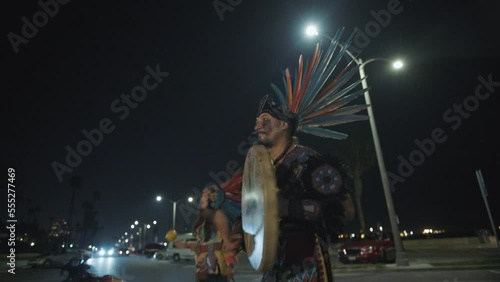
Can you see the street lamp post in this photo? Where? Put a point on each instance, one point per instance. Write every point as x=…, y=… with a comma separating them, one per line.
x=142, y=233
x=401, y=259
x=174, y=203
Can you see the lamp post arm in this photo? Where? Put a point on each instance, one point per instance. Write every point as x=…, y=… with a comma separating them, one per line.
x=347, y=50
x=373, y=60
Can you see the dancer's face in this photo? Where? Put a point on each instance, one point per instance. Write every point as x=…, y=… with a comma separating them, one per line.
x=269, y=129
x=204, y=200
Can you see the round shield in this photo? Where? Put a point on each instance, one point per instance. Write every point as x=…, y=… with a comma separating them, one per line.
x=259, y=208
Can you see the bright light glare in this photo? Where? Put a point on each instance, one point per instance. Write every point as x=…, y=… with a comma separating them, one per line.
x=132, y=226
x=136, y=222
x=311, y=30
x=158, y=198
x=154, y=222
x=110, y=252
x=148, y=226
x=397, y=64
x=190, y=199
x=32, y=244
x=101, y=252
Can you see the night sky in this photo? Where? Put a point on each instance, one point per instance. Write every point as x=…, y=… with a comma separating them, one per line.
x=70, y=75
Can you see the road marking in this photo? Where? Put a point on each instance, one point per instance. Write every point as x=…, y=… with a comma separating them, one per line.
x=496, y=272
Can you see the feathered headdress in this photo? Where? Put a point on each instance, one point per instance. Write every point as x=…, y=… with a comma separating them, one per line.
x=227, y=196
x=313, y=101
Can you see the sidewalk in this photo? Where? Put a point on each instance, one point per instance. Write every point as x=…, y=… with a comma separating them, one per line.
x=422, y=259
x=469, y=257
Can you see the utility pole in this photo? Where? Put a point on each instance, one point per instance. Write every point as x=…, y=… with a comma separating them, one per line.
x=482, y=186
x=73, y=184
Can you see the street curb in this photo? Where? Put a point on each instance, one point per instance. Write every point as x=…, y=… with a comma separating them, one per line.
x=406, y=269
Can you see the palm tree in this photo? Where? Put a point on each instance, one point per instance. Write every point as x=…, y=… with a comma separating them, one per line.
x=89, y=222
x=359, y=153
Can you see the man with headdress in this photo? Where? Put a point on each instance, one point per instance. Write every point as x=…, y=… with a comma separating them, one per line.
x=218, y=231
x=313, y=191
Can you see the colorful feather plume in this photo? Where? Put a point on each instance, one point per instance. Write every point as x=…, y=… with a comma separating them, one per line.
x=317, y=97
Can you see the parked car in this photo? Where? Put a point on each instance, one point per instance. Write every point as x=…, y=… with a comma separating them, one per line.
x=86, y=254
x=181, y=248
x=371, y=247
x=55, y=259
x=151, y=249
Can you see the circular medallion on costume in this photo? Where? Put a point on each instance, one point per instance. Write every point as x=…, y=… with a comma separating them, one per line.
x=326, y=179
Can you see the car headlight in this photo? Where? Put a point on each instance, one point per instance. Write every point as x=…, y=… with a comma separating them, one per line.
x=344, y=251
x=110, y=252
x=101, y=252
x=367, y=249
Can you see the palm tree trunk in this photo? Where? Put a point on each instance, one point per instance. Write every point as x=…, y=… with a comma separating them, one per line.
x=358, y=189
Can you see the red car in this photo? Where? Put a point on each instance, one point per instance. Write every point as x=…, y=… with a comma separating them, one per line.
x=373, y=247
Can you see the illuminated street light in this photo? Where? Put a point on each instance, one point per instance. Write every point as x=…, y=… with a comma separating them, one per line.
x=136, y=222
x=148, y=226
x=311, y=30
x=132, y=226
x=401, y=259
x=397, y=64
x=154, y=221
x=174, y=203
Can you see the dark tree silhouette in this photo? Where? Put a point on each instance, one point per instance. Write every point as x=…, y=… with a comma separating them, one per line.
x=358, y=151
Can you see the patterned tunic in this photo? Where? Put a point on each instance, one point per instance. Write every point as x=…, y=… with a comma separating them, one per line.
x=210, y=259
x=303, y=249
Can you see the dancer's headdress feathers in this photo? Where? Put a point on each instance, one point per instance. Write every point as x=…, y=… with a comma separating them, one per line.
x=312, y=104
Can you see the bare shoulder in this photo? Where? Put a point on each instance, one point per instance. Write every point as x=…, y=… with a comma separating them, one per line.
x=220, y=216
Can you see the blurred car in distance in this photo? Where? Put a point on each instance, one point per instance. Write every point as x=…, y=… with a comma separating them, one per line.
x=181, y=248
x=124, y=252
x=86, y=254
x=370, y=247
x=55, y=259
x=106, y=252
x=152, y=248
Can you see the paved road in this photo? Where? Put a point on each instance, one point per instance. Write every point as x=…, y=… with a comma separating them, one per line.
x=142, y=269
